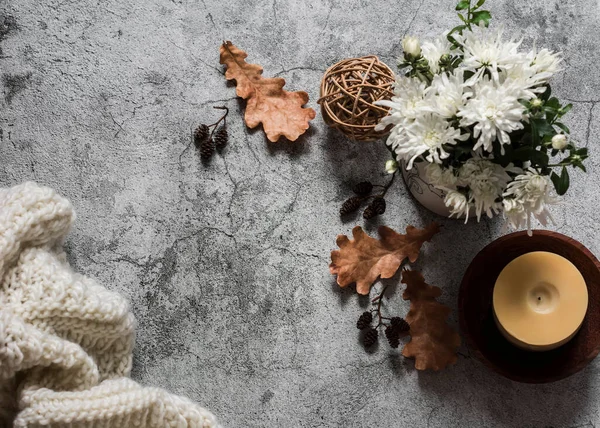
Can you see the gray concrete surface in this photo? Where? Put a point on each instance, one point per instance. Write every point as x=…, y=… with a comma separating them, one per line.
x=226, y=264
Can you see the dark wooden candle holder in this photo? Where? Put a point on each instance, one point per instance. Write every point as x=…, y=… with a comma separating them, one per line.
x=477, y=320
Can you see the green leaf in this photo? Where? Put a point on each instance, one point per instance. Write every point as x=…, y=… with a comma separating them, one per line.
x=481, y=15
x=547, y=140
x=479, y=4
x=535, y=135
x=524, y=103
x=553, y=102
x=550, y=114
x=561, y=182
x=458, y=29
x=581, y=154
x=543, y=127
x=462, y=5
x=462, y=18
x=523, y=153
x=464, y=147
x=546, y=94
x=565, y=109
x=456, y=62
x=576, y=158
x=503, y=158
x=563, y=127
x=540, y=158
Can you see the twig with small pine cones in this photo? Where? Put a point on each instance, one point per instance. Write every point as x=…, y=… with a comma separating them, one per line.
x=395, y=327
x=362, y=193
x=207, y=141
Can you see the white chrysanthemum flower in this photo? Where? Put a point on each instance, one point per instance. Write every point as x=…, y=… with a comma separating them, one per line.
x=514, y=213
x=487, y=181
x=458, y=204
x=433, y=51
x=484, y=50
x=428, y=133
x=484, y=196
x=441, y=177
x=522, y=81
x=447, y=94
x=534, y=192
x=545, y=64
x=405, y=105
x=495, y=111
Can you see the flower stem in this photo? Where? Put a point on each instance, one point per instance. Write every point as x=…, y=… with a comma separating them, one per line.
x=469, y=17
x=387, y=186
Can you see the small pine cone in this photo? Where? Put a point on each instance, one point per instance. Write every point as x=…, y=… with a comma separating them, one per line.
x=221, y=136
x=364, y=320
x=369, y=213
x=207, y=148
x=370, y=337
x=400, y=324
x=394, y=342
x=391, y=331
x=350, y=205
x=378, y=205
x=363, y=188
x=392, y=334
x=375, y=208
x=200, y=134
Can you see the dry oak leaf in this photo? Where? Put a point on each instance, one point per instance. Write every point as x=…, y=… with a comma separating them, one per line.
x=280, y=111
x=433, y=344
x=364, y=259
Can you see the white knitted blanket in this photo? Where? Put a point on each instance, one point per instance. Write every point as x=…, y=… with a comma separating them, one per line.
x=65, y=341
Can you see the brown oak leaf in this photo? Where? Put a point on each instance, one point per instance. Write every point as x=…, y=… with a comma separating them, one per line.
x=280, y=111
x=364, y=259
x=433, y=344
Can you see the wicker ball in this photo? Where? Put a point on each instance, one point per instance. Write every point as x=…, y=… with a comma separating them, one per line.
x=348, y=91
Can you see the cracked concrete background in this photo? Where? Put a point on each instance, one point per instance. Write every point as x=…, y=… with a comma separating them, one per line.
x=225, y=264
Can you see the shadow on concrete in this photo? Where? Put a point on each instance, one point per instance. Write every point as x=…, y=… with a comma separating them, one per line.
x=482, y=391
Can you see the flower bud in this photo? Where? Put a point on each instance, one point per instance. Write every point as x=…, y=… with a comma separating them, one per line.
x=411, y=46
x=559, y=142
x=536, y=102
x=391, y=166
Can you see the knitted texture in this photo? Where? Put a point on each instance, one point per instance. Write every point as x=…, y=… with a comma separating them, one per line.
x=65, y=341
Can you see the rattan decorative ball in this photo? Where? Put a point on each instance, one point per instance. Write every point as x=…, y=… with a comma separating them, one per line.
x=348, y=92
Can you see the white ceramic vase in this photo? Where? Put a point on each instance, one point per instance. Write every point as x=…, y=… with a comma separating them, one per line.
x=423, y=191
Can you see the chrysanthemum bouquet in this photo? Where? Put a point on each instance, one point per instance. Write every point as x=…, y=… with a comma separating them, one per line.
x=481, y=114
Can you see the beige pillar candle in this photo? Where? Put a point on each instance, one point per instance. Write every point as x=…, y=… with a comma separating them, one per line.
x=540, y=300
